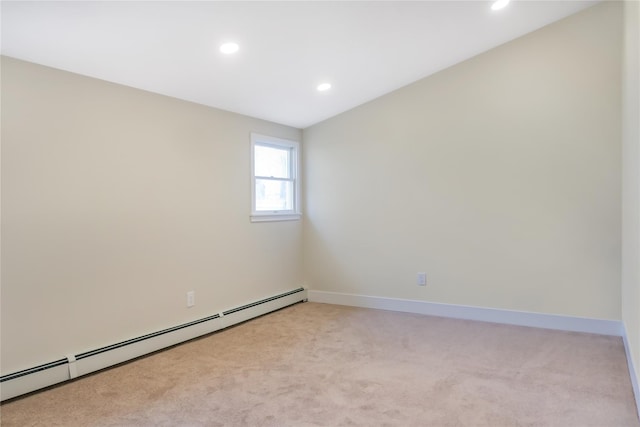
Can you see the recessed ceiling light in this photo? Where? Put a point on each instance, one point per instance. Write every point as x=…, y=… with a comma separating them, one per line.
x=229, y=48
x=324, y=87
x=499, y=4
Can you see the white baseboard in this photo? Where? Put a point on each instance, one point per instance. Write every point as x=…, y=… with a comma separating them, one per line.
x=510, y=317
x=633, y=373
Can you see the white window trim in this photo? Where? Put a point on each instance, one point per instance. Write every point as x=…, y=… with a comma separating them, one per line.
x=288, y=215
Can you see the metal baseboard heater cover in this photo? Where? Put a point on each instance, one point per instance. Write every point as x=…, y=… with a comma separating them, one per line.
x=76, y=365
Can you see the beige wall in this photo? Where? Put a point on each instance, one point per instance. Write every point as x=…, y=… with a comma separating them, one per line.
x=499, y=177
x=631, y=180
x=115, y=203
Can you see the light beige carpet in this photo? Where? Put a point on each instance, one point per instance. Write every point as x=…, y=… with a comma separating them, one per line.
x=324, y=365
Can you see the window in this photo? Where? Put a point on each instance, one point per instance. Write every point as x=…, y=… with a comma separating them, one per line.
x=275, y=187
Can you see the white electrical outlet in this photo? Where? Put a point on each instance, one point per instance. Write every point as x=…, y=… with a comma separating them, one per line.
x=422, y=279
x=191, y=298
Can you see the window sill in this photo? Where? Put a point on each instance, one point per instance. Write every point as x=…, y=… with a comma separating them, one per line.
x=275, y=217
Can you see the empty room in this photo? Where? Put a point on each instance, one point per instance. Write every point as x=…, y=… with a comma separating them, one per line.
x=320, y=213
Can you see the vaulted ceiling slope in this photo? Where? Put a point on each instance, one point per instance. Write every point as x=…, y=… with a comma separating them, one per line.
x=363, y=49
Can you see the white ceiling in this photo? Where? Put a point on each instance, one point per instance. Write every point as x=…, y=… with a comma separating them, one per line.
x=363, y=48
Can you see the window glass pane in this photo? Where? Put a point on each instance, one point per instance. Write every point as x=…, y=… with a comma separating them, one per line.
x=274, y=195
x=272, y=161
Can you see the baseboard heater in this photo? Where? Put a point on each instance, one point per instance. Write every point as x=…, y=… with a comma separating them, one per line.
x=76, y=365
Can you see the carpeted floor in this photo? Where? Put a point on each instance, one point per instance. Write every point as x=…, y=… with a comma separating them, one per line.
x=324, y=365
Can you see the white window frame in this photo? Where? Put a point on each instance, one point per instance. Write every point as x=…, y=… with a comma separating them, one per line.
x=282, y=215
